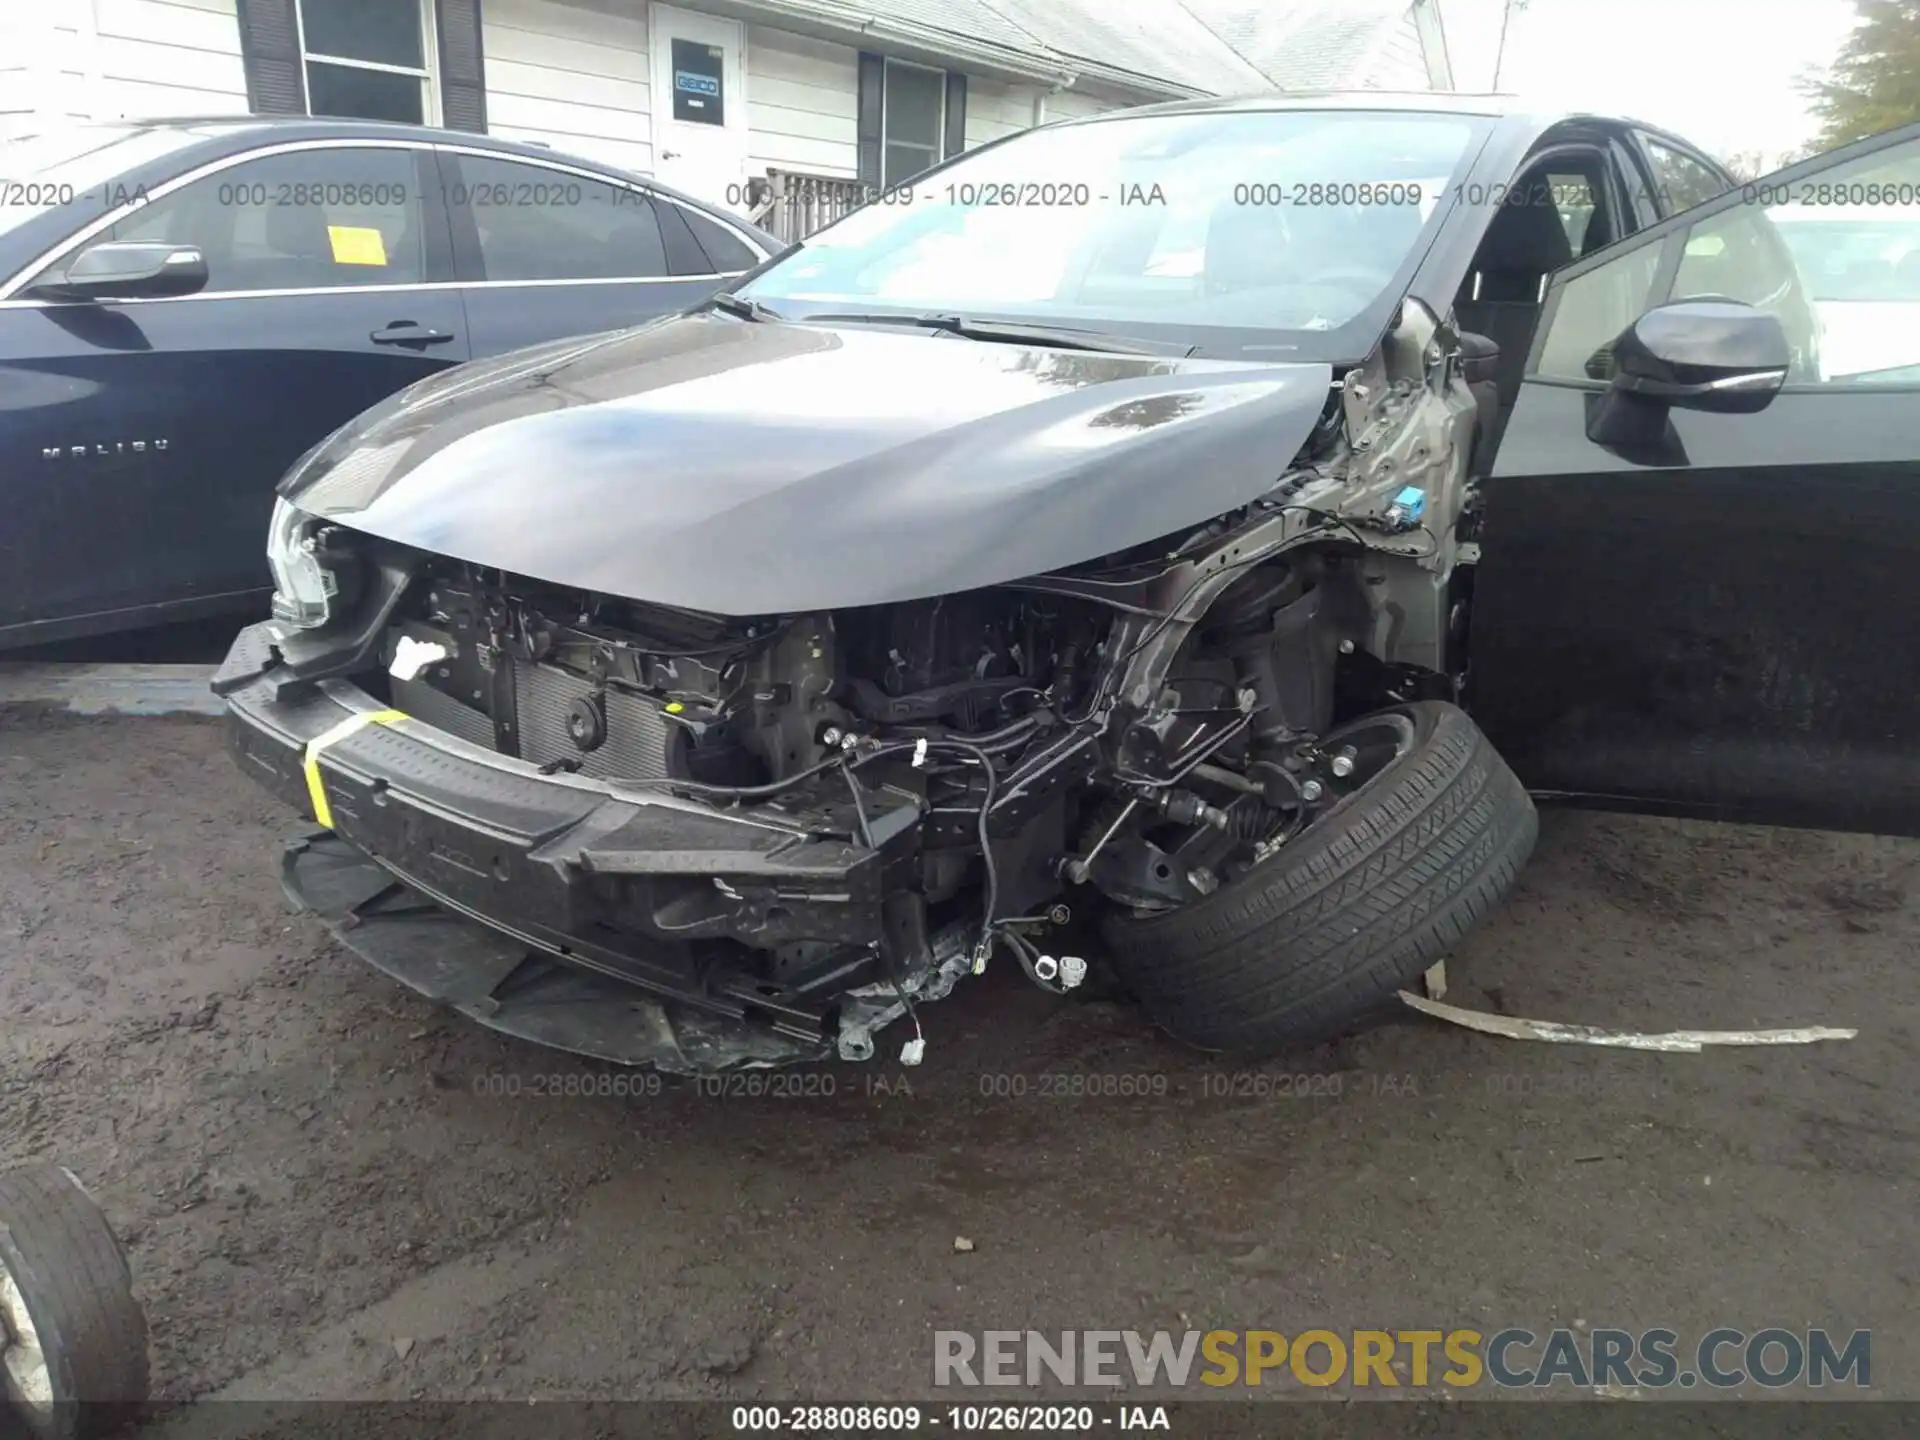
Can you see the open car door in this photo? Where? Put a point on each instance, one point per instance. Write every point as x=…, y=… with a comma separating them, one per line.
x=1699, y=582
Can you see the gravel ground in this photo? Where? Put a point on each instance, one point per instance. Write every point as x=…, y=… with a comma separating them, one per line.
x=328, y=1191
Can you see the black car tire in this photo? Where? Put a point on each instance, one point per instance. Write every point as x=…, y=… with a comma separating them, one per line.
x=1346, y=913
x=63, y=1267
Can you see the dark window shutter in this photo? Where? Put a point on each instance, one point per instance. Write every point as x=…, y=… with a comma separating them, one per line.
x=463, y=66
x=270, y=54
x=873, y=79
x=956, y=126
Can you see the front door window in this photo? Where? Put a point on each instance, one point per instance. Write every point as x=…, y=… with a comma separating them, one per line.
x=304, y=220
x=1836, y=257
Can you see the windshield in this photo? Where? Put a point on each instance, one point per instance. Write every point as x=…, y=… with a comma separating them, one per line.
x=1234, y=231
x=74, y=168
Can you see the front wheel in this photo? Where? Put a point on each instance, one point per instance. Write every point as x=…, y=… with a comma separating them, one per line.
x=1349, y=911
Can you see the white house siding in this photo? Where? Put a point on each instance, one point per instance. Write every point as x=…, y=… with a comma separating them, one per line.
x=18, y=74
x=577, y=78
x=996, y=108
x=112, y=59
x=1078, y=103
x=569, y=76
x=802, y=95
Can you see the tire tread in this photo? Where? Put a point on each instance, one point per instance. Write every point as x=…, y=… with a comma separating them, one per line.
x=74, y=1275
x=1349, y=912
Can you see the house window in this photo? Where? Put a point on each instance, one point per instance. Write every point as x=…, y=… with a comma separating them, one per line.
x=912, y=120
x=368, y=59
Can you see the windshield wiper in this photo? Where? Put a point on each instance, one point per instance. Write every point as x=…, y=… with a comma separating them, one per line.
x=1014, y=332
x=739, y=305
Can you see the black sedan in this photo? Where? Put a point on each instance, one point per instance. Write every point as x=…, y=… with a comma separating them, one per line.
x=186, y=306
x=1214, y=524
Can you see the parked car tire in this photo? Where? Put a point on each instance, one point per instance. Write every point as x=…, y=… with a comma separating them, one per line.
x=1347, y=912
x=73, y=1340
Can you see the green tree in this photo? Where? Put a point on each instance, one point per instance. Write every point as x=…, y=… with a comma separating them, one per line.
x=1875, y=83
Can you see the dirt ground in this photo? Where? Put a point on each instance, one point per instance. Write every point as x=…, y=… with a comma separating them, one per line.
x=330, y=1188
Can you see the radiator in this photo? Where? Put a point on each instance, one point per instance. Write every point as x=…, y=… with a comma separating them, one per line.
x=440, y=710
x=637, y=733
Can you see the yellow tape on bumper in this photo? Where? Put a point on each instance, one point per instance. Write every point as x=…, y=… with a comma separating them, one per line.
x=310, y=758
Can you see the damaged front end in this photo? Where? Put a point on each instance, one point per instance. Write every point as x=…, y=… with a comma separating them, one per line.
x=702, y=841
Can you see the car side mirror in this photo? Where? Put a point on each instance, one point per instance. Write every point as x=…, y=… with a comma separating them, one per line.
x=130, y=270
x=1714, y=355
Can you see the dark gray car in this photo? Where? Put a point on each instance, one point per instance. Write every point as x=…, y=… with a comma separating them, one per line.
x=187, y=305
x=1094, y=554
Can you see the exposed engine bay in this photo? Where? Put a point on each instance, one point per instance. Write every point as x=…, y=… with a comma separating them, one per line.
x=1143, y=728
x=921, y=784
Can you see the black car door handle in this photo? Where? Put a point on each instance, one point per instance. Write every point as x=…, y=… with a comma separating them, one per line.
x=407, y=332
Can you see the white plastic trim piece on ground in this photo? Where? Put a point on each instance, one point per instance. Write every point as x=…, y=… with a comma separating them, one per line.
x=1681, y=1041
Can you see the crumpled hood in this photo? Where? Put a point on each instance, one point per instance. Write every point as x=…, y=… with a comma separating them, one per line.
x=757, y=468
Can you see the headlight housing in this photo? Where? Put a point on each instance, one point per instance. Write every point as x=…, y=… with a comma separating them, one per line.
x=304, y=587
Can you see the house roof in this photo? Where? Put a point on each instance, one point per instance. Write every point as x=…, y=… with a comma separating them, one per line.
x=973, y=18
x=1319, y=44
x=1152, y=40
x=1154, y=47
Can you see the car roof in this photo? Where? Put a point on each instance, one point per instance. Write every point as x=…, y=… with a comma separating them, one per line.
x=228, y=132
x=1524, y=112
x=1437, y=101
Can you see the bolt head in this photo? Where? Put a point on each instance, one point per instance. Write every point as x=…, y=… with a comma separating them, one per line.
x=830, y=735
x=1312, y=790
x=1342, y=765
x=1346, y=647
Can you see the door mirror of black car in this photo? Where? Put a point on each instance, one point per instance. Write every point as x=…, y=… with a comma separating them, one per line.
x=130, y=270
x=1715, y=355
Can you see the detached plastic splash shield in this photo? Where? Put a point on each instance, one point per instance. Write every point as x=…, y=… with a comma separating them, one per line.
x=505, y=985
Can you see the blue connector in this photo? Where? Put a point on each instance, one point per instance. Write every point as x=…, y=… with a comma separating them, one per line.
x=1407, y=508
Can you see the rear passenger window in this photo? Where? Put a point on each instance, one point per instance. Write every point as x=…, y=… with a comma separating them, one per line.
x=1682, y=180
x=726, y=251
x=534, y=223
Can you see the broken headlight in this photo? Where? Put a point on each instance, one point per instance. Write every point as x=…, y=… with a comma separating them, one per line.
x=304, y=586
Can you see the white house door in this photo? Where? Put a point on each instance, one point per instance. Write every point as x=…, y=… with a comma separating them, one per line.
x=699, y=105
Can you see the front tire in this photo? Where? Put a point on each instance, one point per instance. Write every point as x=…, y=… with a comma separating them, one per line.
x=1346, y=913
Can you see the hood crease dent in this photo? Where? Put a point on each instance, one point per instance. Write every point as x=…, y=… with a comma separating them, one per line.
x=740, y=468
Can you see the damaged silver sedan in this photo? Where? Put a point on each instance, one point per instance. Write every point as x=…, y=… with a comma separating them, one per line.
x=1074, y=557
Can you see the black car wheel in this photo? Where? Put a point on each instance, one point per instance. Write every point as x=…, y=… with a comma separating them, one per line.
x=73, y=1341
x=1343, y=914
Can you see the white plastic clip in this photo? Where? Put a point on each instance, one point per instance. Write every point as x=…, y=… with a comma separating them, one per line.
x=920, y=752
x=914, y=1051
x=411, y=656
